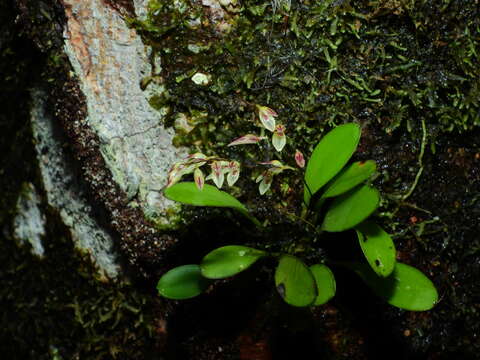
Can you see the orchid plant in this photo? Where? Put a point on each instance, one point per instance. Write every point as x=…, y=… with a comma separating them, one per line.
x=221, y=168
x=336, y=199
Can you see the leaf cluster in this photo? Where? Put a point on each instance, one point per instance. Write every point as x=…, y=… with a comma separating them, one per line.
x=336, y=199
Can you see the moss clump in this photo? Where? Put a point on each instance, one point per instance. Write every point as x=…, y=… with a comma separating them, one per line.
x=56, y=305
x=316, y=64
x=320, y=62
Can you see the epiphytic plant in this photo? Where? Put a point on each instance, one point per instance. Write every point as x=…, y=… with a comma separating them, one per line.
x=337, y=199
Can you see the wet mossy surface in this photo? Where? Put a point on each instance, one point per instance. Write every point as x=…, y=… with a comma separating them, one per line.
x=55, y=308
x=408, y=73
x=414, y=53
x=388, y=64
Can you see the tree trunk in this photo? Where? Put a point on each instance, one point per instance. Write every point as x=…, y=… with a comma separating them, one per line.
x=121, y=151
x=84, y=157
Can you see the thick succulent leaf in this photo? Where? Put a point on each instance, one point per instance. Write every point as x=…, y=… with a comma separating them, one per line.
x=182, y=282
x=377, y=246
x=229, y=260
x=295, y=282
x=351, y=208
x=329, y=157
x=406, y=288
x=351, y=176
x=325, y=281
x=188, y=193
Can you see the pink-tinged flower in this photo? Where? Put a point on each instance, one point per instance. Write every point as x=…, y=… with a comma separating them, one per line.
x=273, y=163
x=265, y=183
x=247, y=139
x=276, y=167
x=218, y=173
x=184, y=167
x=197, y=159
x=278, y=138
x=299, y=159
x=197, y=155
x=267, y=117
x=233, y=172
x=174, y=174
x=266, y=178
x=178, y=170
x=199, y=178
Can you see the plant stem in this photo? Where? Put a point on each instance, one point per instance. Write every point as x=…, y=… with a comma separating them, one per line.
x=420, y=162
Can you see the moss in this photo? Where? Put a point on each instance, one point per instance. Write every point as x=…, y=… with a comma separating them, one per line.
x=323, y=63
x=397, y=63
x=56, y=304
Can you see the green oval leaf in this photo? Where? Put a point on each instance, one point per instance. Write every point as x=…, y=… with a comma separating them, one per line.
x=229, y=260
x=406, y=288
x=330, y=156
x=351, y=208
x=295, y=282
x=183, y=282
x=349, y=177
x=325, y=281
x=377, y=246
x=188, y=193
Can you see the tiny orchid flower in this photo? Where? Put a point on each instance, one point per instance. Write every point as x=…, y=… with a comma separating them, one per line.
x=267, y=117
x=266, y=178
x=197, y=158
x=276, y=167
x=174, y=174
x=197, y=155
x=265, y=183
x=274, y=163
x=233, y=172
x=184, y=167
x=278, y=138
x=299, y=159
x=218, y=173
x=247, y=139
x=199, y=178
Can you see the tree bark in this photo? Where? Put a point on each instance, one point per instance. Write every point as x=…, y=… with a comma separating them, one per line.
x=118, y=146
